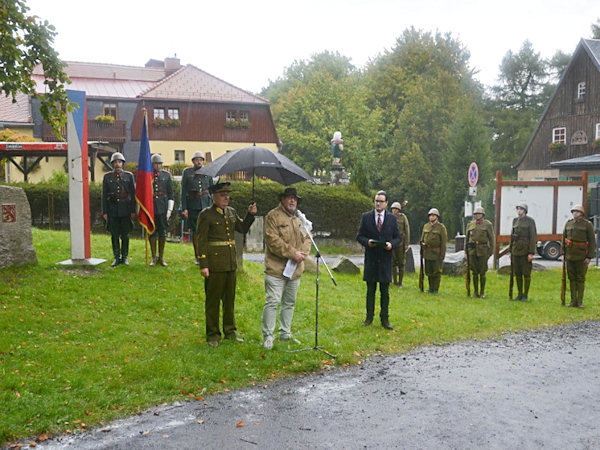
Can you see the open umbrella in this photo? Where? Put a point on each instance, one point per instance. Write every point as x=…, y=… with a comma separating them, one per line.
x=261, y=161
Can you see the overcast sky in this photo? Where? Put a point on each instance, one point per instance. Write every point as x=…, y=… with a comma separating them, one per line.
x=249, y=42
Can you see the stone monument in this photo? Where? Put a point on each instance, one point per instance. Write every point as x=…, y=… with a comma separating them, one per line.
x=16, y=240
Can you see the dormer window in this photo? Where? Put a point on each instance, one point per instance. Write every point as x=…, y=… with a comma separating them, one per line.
x=581, y=90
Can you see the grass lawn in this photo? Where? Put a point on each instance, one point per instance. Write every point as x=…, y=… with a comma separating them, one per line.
x=82, y=346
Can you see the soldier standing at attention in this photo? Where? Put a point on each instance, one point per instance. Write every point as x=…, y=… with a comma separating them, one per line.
x=195, y=196
x=480, y=246
x=522, y=248
x=399, y=254
x=578, y=247
x=118, y=207
x=162, y=190
x=218, y=261
x=433, y=245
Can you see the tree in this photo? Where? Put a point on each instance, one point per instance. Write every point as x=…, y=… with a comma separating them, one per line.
x=596, y=29
x=25, y=42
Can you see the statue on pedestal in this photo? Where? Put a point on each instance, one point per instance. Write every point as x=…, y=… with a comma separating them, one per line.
x=337, y=146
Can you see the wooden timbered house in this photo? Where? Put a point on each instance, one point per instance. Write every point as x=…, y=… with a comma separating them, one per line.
x=566, y=140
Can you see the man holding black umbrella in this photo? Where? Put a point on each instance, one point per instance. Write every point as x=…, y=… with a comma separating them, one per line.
x=218, y=261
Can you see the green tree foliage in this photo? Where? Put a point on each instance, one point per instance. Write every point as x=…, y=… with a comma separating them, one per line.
x=25, y=42
x=596, y=29
x=468, y=142
x=316, y=98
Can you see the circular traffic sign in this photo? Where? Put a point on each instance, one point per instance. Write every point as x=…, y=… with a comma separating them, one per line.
x=473, y=174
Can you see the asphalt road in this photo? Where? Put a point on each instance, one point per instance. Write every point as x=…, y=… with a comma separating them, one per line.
x=529, y=390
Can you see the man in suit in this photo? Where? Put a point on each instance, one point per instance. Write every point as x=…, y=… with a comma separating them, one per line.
x=378, y=233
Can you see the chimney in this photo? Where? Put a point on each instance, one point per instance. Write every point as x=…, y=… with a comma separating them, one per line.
x=172, y=65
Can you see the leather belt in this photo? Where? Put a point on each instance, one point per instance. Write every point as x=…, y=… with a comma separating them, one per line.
x=220, y=243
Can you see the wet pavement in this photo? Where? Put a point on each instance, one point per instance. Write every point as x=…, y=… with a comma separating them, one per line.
x=538, y=389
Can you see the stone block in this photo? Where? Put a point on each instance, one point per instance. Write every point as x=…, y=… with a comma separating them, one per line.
x=16, y=240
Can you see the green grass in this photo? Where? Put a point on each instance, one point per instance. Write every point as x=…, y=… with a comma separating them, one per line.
x=81, y=346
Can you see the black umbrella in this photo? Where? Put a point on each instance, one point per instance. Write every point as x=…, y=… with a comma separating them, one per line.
x=262, y=162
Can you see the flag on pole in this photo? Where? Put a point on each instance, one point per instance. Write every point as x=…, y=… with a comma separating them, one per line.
x=143, y=182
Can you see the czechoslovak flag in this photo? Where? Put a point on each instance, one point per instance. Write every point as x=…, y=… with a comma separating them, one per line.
x=143, y=182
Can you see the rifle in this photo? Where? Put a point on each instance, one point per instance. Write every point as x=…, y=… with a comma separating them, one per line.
x=421, y=274
x=563, y=284
x=468, y=274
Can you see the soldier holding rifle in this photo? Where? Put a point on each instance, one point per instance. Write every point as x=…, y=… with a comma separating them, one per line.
x=522, y=248
x=433, y=250
x=195, y=196
x=578, y=248
x=480, y=245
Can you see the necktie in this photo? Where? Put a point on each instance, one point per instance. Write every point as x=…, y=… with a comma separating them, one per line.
x=379, y=222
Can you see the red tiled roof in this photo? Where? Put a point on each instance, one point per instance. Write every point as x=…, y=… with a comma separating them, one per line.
x=19, y=112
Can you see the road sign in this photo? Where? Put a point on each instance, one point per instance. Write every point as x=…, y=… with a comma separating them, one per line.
x=473, y=174
x=473, y=191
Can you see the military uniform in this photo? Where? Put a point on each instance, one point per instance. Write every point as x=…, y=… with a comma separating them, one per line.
x=162, y=192
x=118, y=203
x=579, y=243
x=522, y=244
x=217, y=252
x=399, y=254
x=434, y=239
x=194, y=194
x=480, y=246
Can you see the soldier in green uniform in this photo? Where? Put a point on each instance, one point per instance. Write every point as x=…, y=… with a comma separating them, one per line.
x=522, y=248
x=162, y=190
x=433, y=245
x=218, y=263
x=578, y=247
x=195, y=196
x=399, y=254
x=118, y=207
x=480, y=246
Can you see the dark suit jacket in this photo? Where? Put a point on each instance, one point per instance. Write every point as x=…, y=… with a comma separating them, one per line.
x=378, y=260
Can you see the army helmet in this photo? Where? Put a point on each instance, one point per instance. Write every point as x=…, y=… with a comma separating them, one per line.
x=479, y=210
x=396, y=205
x=578, y=208
x=433, y=211
x=197, y=154
x=157, y=159
x=523, y=206
x=117, y=155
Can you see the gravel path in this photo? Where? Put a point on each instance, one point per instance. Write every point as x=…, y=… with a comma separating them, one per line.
x=533, y=390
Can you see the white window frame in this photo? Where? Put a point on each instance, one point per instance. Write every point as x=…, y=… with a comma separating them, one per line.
x=230, y=115
x=559, y=134
x=581, y=89
x=159, y=113
x=244, y=116
x=174, y=113
x=597, y=131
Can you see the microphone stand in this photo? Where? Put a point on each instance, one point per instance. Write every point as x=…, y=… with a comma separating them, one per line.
x=316, y=346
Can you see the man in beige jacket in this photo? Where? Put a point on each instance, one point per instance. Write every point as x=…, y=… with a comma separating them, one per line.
x=287, y=244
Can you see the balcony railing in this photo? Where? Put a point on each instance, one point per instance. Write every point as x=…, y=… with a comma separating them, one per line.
x=109, y=132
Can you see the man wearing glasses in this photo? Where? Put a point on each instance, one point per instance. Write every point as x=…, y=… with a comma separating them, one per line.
x=378, y=233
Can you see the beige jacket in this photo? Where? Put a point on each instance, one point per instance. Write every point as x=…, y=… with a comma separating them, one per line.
x=284, y=235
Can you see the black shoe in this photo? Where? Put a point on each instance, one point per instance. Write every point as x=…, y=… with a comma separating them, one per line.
x=572, y=305
x=367, y=322
x=387, y=325
x=116, y=262
x=523, y=298
x=234, y=337
x=125, y=261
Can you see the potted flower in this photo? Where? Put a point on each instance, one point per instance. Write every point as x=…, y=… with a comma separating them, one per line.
x=555, y=148
x=596, y=145
x=105, y=120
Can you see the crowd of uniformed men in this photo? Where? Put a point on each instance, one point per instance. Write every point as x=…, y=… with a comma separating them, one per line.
x=385, y=236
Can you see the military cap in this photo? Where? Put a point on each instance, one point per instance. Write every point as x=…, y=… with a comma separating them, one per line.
x=156, y=159
x=523, y=206
x=197, y=154
x=115, y=156
x=219, y=187
x=578, y=208
x=433, y=211
x=290, y=192
x=479, y=210
x=396, y=205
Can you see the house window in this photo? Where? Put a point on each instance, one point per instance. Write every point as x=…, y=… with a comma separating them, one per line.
x=559, y=135
x=174, y=113
x=110, y=109
x=581, y=89
x=179, y=156
x=230, y=116
x=159, y=113
x=243, y=116
x=597, y=131
x=208, y=157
